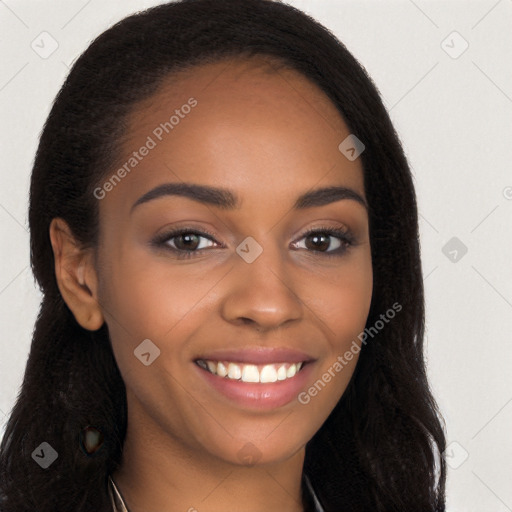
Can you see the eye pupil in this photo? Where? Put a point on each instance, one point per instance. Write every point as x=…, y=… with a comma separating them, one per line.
x=189, y=237
x=319, y=245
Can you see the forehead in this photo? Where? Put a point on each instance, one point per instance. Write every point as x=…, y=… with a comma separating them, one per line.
x=255, y=127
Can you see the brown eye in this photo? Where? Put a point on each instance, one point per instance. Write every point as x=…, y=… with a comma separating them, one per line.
x=187, y=241
x=184, y=243
x=320, y=241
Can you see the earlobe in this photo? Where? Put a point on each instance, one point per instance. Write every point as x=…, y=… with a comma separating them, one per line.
x=76, y=276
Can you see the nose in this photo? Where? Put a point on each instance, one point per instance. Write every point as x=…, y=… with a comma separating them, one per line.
x=261, y=293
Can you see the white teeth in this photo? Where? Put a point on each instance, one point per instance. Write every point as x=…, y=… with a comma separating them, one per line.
x=291, y=371
x=268, y=373
x=222, y=371
x=251, y=372
x=234, y=371
x=281, y=373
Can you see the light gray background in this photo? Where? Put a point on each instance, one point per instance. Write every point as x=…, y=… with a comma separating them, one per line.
x=454, y=118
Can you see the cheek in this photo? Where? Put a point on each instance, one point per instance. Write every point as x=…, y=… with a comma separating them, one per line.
x=342, y=299
x=148, y=295
x=342, y=304
x=353, y=298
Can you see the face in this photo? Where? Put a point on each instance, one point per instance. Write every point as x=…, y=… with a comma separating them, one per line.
x=234, y=278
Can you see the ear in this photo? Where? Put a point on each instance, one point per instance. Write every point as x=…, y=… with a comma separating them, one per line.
x=76, y=276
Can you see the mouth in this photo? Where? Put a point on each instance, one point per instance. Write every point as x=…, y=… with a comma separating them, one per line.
x=256, y=378
x=263, y=373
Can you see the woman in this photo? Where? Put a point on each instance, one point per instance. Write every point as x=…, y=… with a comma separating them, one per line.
x=224, y=228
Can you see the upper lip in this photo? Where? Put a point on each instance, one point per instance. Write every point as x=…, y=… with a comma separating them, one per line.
x=258, y=355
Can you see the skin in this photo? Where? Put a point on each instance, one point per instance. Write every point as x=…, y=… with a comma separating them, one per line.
x=269, y=137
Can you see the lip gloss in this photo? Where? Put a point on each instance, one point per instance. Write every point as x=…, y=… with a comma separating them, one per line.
x=257, y=395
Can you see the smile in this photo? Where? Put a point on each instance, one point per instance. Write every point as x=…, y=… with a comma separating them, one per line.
x=251, y=372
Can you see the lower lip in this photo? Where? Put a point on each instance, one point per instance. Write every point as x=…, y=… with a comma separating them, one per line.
x=256, y=395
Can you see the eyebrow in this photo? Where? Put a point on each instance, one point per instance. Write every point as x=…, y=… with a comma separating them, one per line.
x=228, y=200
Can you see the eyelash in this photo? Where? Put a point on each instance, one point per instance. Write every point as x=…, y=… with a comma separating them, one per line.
x=346, y=238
